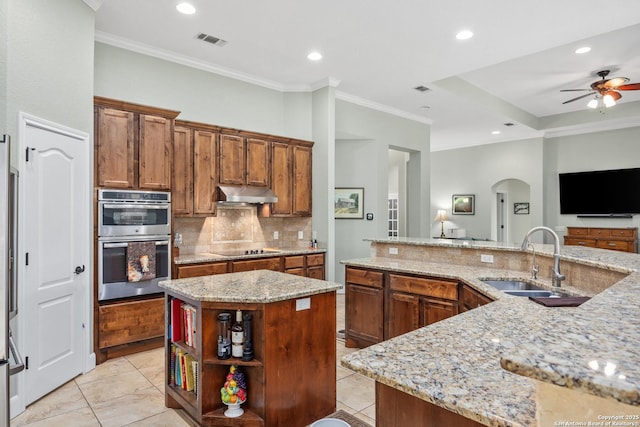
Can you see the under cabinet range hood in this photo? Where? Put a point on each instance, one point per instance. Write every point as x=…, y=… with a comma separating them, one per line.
x=245, y=194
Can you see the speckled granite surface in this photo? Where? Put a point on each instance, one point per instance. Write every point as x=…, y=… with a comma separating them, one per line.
x=463, y=363
x=260, y=286
x=213, y=257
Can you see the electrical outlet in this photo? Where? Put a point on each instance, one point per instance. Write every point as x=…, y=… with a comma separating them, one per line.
x=276, y=235
x=300, y=235
x=486, y=258
x=393, y=251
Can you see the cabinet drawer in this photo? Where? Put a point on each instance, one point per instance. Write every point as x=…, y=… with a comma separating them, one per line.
x=623, y=232
x=421, y=286
x=600, y=232
x=618, y=245
x=128, y=322
x=201, y=270
x=317, y=259
x=364, y=277
x=256, y=264
x=294, y=261
x=577, y=241
x=577, y=231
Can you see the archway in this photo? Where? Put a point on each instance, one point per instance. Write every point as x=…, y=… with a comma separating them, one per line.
x=510, y=215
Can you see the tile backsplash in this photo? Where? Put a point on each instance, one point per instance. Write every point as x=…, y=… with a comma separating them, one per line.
x=240, y=228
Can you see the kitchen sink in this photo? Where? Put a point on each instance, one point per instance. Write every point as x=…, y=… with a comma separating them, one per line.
x=513, y=285
x=520, y=288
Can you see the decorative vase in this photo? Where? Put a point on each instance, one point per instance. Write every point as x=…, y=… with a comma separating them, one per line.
x=234, y=410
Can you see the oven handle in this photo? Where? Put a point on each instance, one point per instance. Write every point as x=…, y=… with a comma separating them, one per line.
x=125, y=244
x=136, y=206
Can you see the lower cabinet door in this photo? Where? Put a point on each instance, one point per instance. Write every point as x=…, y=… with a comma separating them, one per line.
x=404, y=313
x=365, y=314
x=433, y=310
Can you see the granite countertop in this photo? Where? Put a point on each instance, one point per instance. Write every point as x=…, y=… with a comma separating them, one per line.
x=259, y=286
x=466, y=363
x=268, y=252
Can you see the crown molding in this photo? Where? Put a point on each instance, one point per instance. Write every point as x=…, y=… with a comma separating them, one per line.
x=380, y=107
x=627, y=122
x=94, y=4
x=144, y=49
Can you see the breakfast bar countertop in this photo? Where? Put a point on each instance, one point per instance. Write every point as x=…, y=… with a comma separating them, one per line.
x=466, y=363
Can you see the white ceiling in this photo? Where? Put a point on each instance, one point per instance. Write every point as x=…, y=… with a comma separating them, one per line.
x=512, y=70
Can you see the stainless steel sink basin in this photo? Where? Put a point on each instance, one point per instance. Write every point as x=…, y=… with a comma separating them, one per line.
x=534, y=294
x=513, y=285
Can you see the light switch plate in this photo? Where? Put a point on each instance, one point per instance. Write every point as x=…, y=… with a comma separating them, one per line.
x=276, y=235
x=300, y=235
x=486, y=258
x=393, y=251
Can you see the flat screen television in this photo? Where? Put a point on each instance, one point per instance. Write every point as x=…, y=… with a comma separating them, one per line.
x=601, y=193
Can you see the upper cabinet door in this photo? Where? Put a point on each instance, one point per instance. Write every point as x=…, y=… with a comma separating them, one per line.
x=301, y=180
x=155, y=152
x=204, y=172
x=258, y=166
x=281, y=178
x=232, y=160
x=115, y=142
x=181, y=189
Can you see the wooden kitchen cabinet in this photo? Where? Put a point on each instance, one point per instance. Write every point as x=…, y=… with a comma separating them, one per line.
x=291, y=168
x=126, y=327
x=470, y=299
x=197, y=270
x=244, y=160
x=617, y=239
x=315, y=266
x=133, y=145
x=195, y=169
x=301, y=180
x=256, y=264
x=415, y=302
x=364, y=299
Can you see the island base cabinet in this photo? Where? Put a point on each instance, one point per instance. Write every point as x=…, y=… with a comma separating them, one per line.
x=395, y=408
x=290, y=381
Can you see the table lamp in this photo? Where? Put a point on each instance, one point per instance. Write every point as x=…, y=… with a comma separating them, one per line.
x=441, y=216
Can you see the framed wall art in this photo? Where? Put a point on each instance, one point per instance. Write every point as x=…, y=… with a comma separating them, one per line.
x=521, y=208
x=349, y=203
x=463, y=204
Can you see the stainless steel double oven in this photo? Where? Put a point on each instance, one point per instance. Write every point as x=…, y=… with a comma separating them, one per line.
x=126, y=218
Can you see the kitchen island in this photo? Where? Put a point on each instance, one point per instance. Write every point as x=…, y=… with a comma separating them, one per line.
x=511, y=362
x=291, y=377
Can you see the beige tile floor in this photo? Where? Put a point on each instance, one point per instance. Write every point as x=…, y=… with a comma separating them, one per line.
x=129, y=391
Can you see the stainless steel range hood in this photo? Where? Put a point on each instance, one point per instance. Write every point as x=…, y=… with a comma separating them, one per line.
x=244, y=194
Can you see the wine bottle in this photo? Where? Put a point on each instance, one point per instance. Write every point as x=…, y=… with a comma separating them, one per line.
x=237, y=336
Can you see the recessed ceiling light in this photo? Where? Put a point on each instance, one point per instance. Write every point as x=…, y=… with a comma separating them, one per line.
x=464, y=35
x=186, y=8
x=495, y=132
x=314, y=56
x=583, y=49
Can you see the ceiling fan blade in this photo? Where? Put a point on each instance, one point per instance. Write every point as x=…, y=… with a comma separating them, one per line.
x=630, y=86
x=579, y=97
x=614, y=82
x=573, y=90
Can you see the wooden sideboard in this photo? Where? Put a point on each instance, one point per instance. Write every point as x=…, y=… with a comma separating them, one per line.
x=617, y=239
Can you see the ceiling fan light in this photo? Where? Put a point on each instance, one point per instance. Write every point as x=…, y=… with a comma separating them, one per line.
x=608, y=101
x=593, y=103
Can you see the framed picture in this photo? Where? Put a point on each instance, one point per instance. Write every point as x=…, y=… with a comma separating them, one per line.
x=349, y=203
x=521, y=208
x=463, y=204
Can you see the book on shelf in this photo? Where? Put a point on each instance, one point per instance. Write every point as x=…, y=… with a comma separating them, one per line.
x=184, y=323
x=184, y=370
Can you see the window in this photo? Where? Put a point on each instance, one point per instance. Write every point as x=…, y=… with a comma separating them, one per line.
x=393, y=215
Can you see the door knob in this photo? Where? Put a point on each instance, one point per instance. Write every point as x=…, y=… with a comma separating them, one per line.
x=79, y=270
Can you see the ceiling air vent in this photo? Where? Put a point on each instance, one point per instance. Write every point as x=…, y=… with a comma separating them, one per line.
x=211, y=39
x=422, y=88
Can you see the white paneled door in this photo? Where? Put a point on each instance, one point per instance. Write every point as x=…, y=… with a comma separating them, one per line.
x=56, y=254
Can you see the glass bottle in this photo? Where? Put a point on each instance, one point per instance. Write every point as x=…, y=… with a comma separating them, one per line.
x=224, y=336
x=237, y=336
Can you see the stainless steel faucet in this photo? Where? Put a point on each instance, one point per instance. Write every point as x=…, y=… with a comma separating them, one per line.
x=557, y=277
x=534, y=268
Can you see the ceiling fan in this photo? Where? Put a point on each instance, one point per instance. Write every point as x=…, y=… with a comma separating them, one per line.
x=606, y=91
